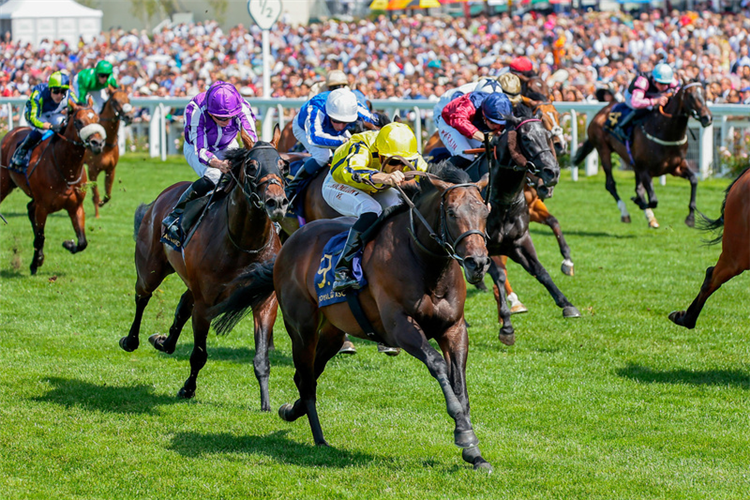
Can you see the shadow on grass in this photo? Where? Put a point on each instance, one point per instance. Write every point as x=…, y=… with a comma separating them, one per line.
x=734, y=378
x=12, y=273
x=242, y=355
x=589, y=234
x=275, y=445
x=107, y=398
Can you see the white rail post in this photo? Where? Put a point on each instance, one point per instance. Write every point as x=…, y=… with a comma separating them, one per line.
x=267, y=133
x=163, y=132
x=154, y=134
x=121, y=138
x=10, y=117
x=592, y=160
x=418, y=128
x=573, y=143
x=280, y=110
x=706, y=151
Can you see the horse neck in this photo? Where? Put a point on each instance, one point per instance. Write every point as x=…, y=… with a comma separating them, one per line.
x=67, y=157
x=435, y=261
x=506, y=184
x=110, y=122
x=670, y=127
x=246, y=222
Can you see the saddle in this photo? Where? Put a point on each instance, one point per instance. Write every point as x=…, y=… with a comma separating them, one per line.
x=27, y=159
x=617, y=114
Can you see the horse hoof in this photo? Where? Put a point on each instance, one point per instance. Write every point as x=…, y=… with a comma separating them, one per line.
x=690, y=221
x=571, y=312
x=157, y=341
x=70, y=246
x=284, y=411
x=125, y=346
x=652, y=224
x=474, y=457
x=625, y=219
x=483, y=467
x=323, y=443
x=518, y=308
x=33, y=270
x=507, y=338
x=678, y=318
x=567, y=268
x=465, y=439
x=185, y=394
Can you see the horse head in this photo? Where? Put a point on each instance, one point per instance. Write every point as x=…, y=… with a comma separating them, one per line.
x=260, y=177
x=462, y=217
x=551, y=120
x=84, y=123
x=121, y=107
x=536, y=146
x=693, y=103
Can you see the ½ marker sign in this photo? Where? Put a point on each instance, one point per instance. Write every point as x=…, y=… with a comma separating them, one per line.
x=264, y=12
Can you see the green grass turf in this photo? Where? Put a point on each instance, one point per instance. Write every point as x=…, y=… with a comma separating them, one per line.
x=620, y=403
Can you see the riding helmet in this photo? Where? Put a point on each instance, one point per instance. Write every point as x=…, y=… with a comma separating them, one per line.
x=341, y=105
x=223, y=100
x=496, y=107
x=397, y=139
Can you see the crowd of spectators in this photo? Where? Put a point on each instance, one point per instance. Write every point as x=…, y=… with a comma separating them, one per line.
x=409, y=57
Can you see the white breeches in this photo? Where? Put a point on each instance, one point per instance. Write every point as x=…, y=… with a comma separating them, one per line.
x=454, y=141
x=353, y=202
x=211, y=173
x=321, y=155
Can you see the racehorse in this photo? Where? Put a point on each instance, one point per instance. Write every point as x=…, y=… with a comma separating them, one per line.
x=423, y=300
x=508, y=222
x=237, y=231
x=658, y=147
x=115, y=109
x=734, y=225
x=55, y=177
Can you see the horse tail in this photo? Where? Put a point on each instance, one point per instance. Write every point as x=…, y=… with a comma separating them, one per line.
x=140, y=213
x=254, y=287
x=583, y=151
x=717, y=225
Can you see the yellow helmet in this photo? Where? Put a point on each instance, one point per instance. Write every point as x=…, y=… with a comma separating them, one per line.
x=511, y=86
x=397, y=139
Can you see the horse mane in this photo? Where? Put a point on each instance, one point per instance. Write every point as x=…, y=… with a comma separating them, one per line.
x=523, y=111
x=238, y=156
x=536, y=96
x=717, y=225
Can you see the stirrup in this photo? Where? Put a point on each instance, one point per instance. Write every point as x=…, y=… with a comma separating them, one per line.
x=172, y=235
x=343, y=280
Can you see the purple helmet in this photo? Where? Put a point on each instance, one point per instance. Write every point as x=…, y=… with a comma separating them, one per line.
x=223, y=100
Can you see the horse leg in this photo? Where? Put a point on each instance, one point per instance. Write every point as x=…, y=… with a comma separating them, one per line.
x=688, y=174
x=130, y=342
x=451, y=377
x=648, y=183
x=78, y=218
x=264, y=316
x=605, y=154
x=506, y=334
x=38, y=218
x=516, y=306
x=93, y=175
x=726, y=268
x=642, y=183
x=541, y=215
x=6, y=184
x=167, y=344
x=109, y=182
x=198, y=357
x=524, y=253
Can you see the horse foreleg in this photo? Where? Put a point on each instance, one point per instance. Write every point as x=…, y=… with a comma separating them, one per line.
x=78, y=218
x=506, y=334
x=516, y=306
x=606, y=157
x=538, y=213
x=726, y=268
x=525, y=255
x=693, y=179
x=642, y=183
x=264, y=316
x=199, y=355
x=131, y=342
x=109, y=182
x=93, y=176
x=38, y=218
x=184, y=310
x=412, y=339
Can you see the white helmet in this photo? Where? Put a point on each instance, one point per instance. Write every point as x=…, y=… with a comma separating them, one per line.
x=341, y=105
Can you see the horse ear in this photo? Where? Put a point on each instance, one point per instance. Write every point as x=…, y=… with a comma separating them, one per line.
x=276, y=135
x=527, y=102
x=439, y=185
x=73, y=105
x=484, y=181
x=90, y=101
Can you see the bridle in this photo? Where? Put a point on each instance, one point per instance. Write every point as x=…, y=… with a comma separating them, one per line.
x=692, y=112
x=530, y=166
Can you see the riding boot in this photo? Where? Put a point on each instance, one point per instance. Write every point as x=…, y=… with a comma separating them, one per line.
x=343, y=274
x=197, y=189
x=306, y=172
x=18, y=162
x=619, y=130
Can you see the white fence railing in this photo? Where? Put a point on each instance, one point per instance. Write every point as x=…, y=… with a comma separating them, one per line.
x=702, y=153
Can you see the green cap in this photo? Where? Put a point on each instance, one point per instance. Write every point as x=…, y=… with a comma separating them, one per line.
x=103, y=68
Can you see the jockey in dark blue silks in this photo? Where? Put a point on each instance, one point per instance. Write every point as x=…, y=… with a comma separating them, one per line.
x=322, y=126
x=46, y=109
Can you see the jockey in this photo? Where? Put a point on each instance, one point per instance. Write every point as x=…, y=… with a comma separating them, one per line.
x=371, y=158
x=94, y=82
x=466, y=120
x=213, y=121
x=520, y=66
x=644, y=93
x=486, y=84
x=511, y=86
x=336, y=79
x=46, y=109
x=321, y=127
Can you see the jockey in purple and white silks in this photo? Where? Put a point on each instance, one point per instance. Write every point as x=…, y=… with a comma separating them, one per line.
x=213, y=121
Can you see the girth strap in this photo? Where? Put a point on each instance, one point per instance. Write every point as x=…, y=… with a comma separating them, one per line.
x=353, y=300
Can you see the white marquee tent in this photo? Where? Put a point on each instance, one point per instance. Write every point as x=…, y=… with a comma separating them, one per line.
x=34, y=20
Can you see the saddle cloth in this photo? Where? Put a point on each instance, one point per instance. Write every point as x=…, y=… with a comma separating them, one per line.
x=324, y=277
x=617, y=114
x=191, y=215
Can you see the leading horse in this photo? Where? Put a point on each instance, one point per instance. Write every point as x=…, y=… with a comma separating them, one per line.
x=236, y=232
x=116, y=108
x=55, y=177
x=735, y=247
x=658, y=147
x=424, y=300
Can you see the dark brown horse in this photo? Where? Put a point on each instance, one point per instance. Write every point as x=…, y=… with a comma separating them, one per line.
x=55, y=177
x=236, y=232
x=424, y=300
x=116, y=108
x=659, y=145
x=735, y=247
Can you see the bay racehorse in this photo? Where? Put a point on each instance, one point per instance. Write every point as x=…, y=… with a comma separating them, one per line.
x=734, y=225
x=508, y=222
x=116, y=108
x=55, y=178
x=236, y=232
x=658, y=147
x=424, y=300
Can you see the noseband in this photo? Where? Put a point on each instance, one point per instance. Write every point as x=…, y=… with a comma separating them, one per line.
x=249, y=187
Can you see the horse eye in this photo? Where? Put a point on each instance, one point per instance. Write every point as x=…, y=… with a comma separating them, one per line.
x=451, y=213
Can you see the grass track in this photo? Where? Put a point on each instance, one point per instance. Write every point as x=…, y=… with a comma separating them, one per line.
x=617, y=404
